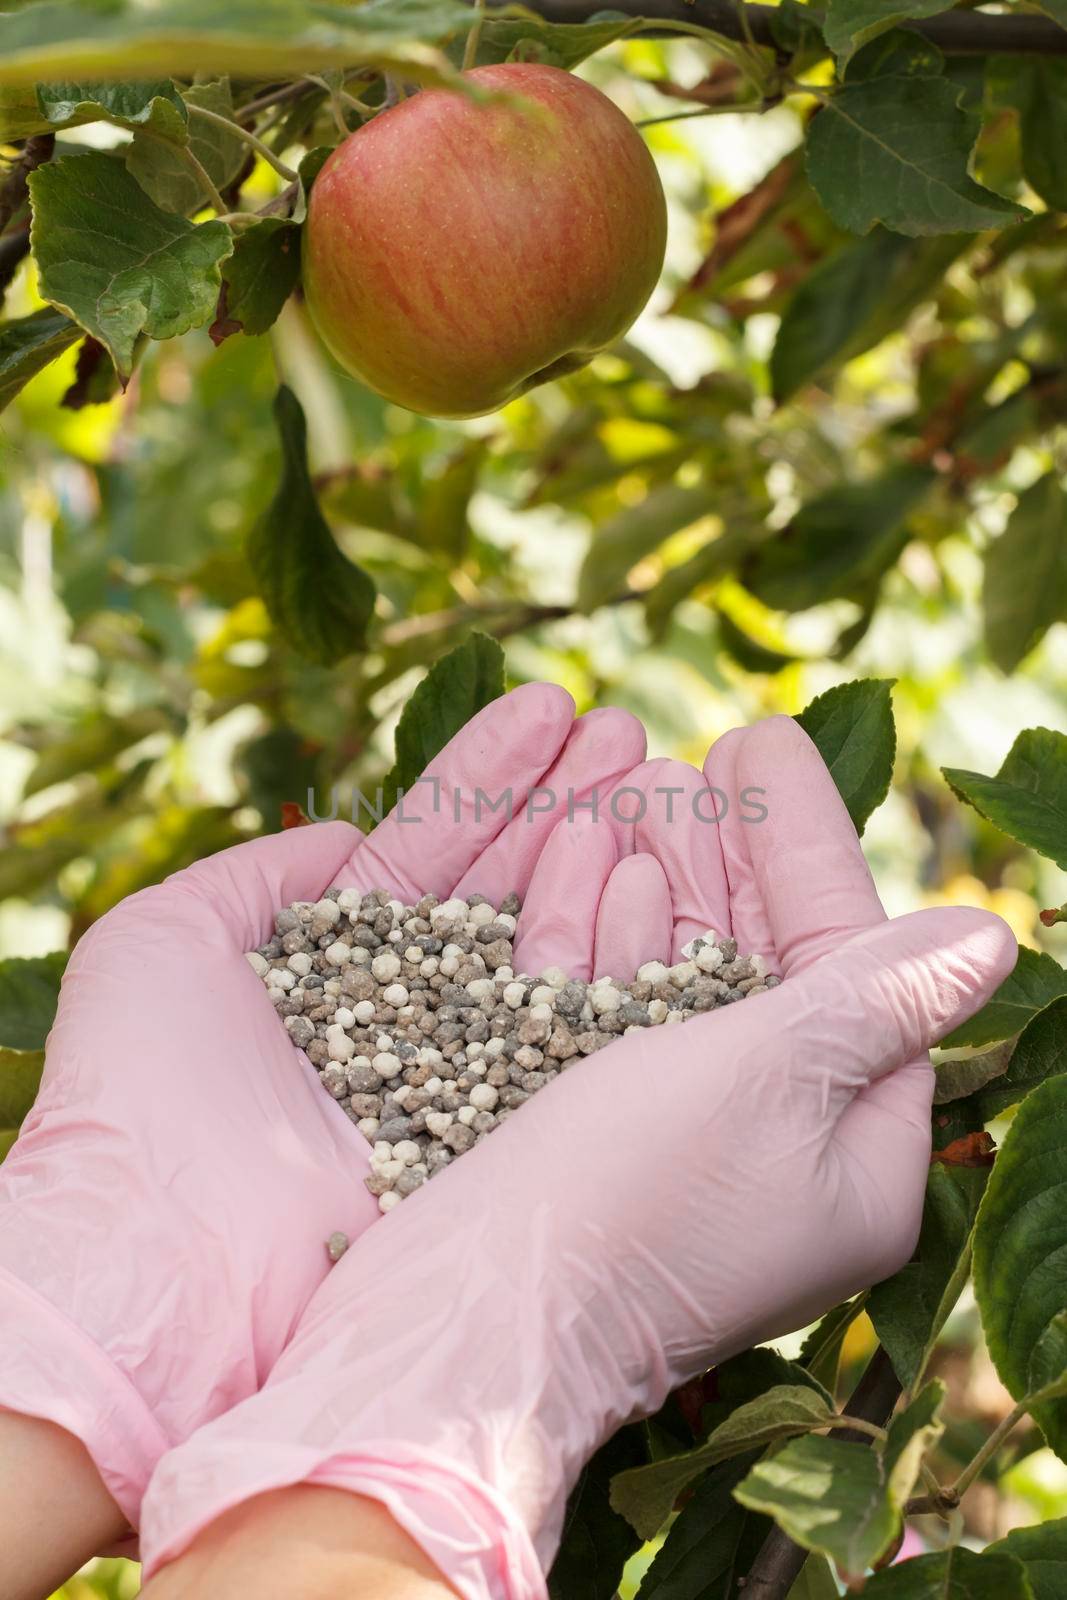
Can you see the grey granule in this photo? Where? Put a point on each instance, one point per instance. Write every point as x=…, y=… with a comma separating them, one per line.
x=419, y=1027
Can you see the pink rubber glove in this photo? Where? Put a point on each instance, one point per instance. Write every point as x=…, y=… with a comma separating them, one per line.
x=673, y=1199
x=164, y=1211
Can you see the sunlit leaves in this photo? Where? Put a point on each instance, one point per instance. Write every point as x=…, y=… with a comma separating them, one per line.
x=909, y=1309
x=258, y=277
x=1043, y=1550
x=1025, y=588
x=456, y=687
x=646, y=1495
x=839, y=541
x=633, y=532
x=841, y=1499
x=1027, y=798
x=28, y=345
x=1037, y=88
x=852, y=300
x=20, y=1076
x=1037, y=980
x=29, y=990
x=319, y=601
x=895, y=150
x=153, y=103
x=163, y=171
x=852, y=727
x=850, y=23
x=955, y=1574
x=250, y=38
x=1020, y=1241
x=116, y=263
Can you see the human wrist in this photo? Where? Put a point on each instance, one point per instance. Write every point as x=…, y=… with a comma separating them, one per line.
x=320, y=1542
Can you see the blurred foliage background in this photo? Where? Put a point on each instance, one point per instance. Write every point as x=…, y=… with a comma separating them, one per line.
x=619, y=533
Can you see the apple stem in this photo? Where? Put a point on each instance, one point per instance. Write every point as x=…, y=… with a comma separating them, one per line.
x=470, y=50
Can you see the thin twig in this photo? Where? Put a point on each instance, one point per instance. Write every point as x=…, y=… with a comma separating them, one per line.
x=705, y=111
x=956, y=33
x=779, y=1562
x=978, y=1462
x=196, y=168
x=235, y=131
x=35, y=152
x=470, y=49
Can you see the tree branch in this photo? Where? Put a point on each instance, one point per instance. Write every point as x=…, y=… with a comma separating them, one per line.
x=13, y=192
x=778, y=1565
x=957, y=33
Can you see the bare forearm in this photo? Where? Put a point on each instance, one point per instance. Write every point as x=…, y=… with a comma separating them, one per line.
x=315, y=1543
x=54, y=1510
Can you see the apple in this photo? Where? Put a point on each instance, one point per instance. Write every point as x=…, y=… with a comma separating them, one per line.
x=459, y=251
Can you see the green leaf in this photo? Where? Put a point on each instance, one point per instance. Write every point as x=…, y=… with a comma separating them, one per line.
x=821, y=1350
x=90, y=746
x=898, y=53
x=155, y=103
x=646, y=1495
x=442, y=517
x=629, y=535
x=30, y=344
x=841, y=1499
x=258, y=278
x=851, y=23
x=160, y=168
x=456, y=687
x=245, y=38
x=816, y=1581
x=853, y=300
x=711, y=1543
x=1019, y=1248
x=20, y=113
x=558, y=44
x=1043, y=1552
x=1040, y=1054
x=596, y=1542
x=959, y=1077
x=29, y=993
x=853, y=730
x=895, y=150
x=318, y=600
x=954, y=1574
x=1025, y=585
x=909, y=1309
x=114, y=261
x=20, y=1078
x=1035, y=981
x=839, y=542
x=1037, y=88
x=1027, y=798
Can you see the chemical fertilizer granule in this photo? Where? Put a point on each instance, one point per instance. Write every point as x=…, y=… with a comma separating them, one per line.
x=419, y=1026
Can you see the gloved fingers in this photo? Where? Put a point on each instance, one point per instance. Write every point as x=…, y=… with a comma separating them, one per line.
x=558, y=919
x=799, y=884
x=875, y=1005
x=600, y=747
x=634, y=922
x=453, y=813
x=680, y=829
x=883, y=1142
x=227, y=900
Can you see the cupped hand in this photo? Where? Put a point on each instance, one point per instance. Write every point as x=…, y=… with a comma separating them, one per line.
x=681, y=1194
x=164, y=1210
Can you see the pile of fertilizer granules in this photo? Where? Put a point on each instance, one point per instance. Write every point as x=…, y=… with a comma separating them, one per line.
x=419, y=1026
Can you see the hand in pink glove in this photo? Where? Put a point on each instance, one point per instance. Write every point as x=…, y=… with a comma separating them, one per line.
x=164, y=1211
x=666, y=1203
